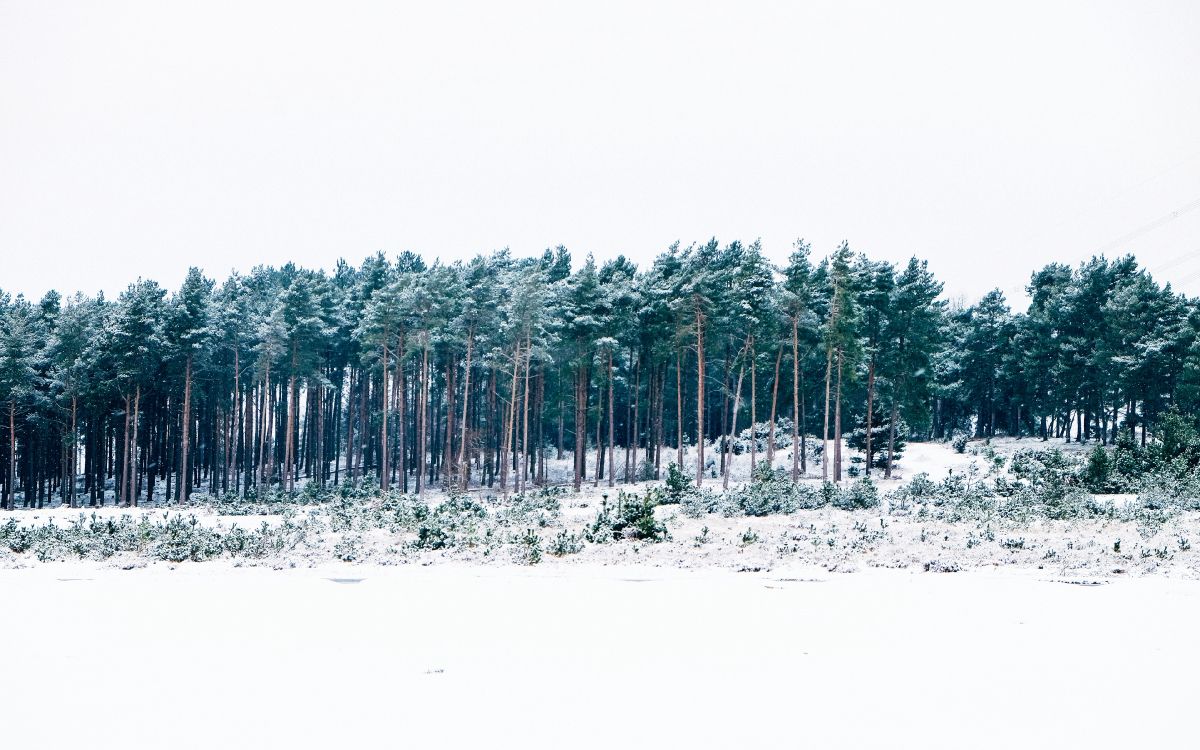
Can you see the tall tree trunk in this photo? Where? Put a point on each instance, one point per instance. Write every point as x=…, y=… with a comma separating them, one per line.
x=74, y=458
x=402, y=411
x=870, y=406
x=581, y=416
x=10, y=487
x=137, y=403
x=599, y=473
x=384, y=475
x=887, y=471
x=837, y=423
x=525, y=420
x=774, y=402
x=289, y=446
x=612, y=457
x=125, y=467
x=797, y=447
x=699, y=399
x=423, y=425
x=506, y=457
x=633, y=440
x=679, y=408
x=184, y=485
x=236, y=426
x=463, y=467
x=320, y=451
x=825, y=433
x=737, y=403
x=753, y=412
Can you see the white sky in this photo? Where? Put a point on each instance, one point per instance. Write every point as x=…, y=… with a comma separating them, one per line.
x=138, y=138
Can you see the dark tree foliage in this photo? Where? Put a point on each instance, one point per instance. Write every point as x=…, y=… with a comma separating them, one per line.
x=407, y=375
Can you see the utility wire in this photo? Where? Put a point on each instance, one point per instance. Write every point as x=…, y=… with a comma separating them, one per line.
x=1160, y=221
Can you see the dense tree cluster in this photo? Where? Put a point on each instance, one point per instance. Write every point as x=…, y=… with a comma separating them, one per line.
x=414, y=375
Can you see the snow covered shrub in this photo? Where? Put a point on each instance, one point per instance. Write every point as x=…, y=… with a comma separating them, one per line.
x=678, y=484
x=1046, y=467
x=645, y=471
x=701, y=502
x=565, y=544
x=601, y=529
x=178, y=540
x=16, y=537
x=349, y=548
x=452, y=522
x=959, y=443
x=540, y=507
x=1098, y=475
x=432, y=536
x=633, y=519
x=527, y=548
x=859, y=495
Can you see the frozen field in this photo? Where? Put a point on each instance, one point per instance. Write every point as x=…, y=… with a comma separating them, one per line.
x=592, y=656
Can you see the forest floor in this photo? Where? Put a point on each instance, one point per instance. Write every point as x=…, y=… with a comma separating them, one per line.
x=826, y=539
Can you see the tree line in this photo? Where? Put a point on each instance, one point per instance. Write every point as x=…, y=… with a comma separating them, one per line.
x=413, y=375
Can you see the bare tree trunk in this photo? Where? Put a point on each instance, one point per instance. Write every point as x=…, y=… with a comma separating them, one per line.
x=612, y=457
x=580, y=425
x=896, y=389
x=561, y=418
x=402, y=412
x=236, y=427
x=11, y=485
x=422, y=429
x=774, y=402
x=737, y=403
x=384, y=476
x=349, y=408
x=463, y=468
x=74, y=459
x=540, y=476
x=137, y=403
x=597, y=475
x=509, y=425
x=634, y=440
x=264, y=416
x=289, y=440
x=753, y=413
x=124, y=461
x=525, y=421
x=185, y=485
x=797, y=446
x=870, y=405
x=837, y=424
x=679, y=408
x=825, y=434
x=887, y=472
x=699, y=399
x=320, y=451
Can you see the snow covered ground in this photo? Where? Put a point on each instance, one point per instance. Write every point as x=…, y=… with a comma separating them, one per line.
x=821, y=628
x=207, y=656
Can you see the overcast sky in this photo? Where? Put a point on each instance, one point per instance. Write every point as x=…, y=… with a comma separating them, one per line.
x=138, y=138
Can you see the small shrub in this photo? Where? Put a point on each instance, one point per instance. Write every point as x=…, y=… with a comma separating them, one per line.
x=565, y=544
x=528, y=548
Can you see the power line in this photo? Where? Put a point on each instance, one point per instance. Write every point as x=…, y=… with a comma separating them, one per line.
x=1175, y=261
x=1160, y=221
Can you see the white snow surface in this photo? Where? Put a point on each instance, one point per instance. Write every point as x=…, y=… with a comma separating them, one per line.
x=674, y=645
x=205, y=656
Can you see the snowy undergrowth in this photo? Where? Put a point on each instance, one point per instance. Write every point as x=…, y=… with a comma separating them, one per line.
x=1030, y=508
